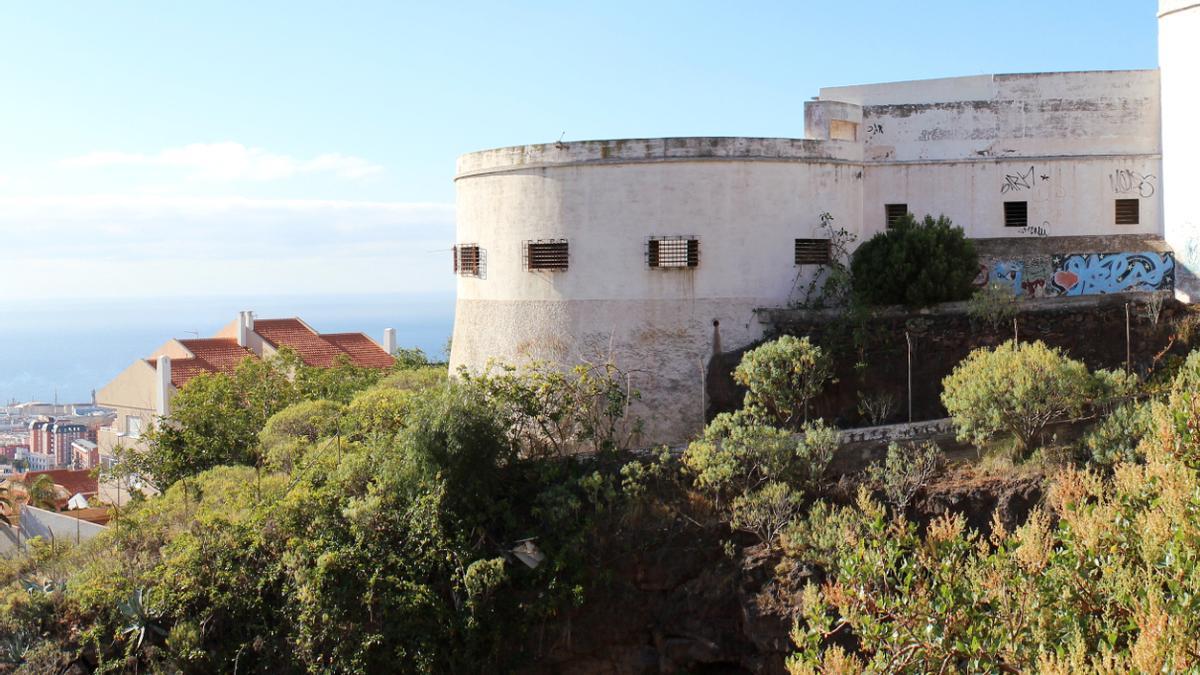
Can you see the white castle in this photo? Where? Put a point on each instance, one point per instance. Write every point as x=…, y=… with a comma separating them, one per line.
x=658, y=252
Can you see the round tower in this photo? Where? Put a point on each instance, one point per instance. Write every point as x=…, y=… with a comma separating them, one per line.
x=1179, y=65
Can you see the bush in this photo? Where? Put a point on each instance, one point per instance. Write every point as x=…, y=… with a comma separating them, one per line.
x=765, y=512
x=1117, y=437
x=1017, y=388
x=781, y=376
x=906, y=469
x=737, y=454
x=994, y=305
x=915, y=263
x=1100, y=580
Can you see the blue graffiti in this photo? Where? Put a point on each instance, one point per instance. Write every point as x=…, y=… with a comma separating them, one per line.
x=1008, y=272
x=1098, y=273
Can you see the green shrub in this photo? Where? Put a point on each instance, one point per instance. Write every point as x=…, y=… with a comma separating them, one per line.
x=781, y=376
x=766, y=511
x=1014, y=388
x=915, y=263
x=1102, y=579
x=905, y=470
x=995, y=305
x=1117, y=437
x=736, y=454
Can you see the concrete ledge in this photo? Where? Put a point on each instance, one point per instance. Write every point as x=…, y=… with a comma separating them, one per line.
x=642, y=150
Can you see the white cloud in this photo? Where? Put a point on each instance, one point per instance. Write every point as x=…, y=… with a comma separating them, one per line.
x=229, y=161
x=147, y=244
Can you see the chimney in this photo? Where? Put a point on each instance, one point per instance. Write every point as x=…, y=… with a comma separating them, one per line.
x=241, y=329
x=389, y=340
x=163, y=389
x=249, y=321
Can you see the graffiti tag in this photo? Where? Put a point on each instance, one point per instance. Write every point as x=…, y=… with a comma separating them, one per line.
x=1017, y=181
x=1126, y=182
x=1042, y=230
x=1098, y=273
x=874, y=128
x=1083, y=273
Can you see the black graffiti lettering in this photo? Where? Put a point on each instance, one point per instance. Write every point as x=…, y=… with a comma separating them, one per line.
x=1017, y=181
x=1124, y=182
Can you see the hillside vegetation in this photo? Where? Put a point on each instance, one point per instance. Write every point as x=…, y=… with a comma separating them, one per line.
x=362, y=522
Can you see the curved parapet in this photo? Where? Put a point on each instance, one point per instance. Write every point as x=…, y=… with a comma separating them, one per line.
x=659, y=250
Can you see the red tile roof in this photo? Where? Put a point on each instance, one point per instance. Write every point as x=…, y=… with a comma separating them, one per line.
x=222, y=355
x=362, y=349
x=209, y=355
x=73, y=481
x=322, y=350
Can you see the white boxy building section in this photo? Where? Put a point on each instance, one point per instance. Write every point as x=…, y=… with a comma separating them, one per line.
x=1060, y=178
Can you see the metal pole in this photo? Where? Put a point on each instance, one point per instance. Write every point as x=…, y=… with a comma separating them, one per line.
x=1015, y=338
x=1128, y=348
x=908, y=341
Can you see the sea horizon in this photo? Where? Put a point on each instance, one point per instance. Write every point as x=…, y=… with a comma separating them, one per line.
x=64, y=348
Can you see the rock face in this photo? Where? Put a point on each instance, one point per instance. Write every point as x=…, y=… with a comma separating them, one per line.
x=682, y=604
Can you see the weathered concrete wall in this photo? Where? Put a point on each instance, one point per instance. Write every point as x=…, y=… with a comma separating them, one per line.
x=1005, y=116
x=1179, y=62
x=1068, y=144
x=746, y=200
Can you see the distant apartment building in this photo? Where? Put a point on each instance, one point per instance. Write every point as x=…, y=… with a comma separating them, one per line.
x=143, y=391
x=51, y=437
x=34, y=461
x=85, y=454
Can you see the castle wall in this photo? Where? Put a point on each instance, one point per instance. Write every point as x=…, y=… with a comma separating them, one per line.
x=1068, y=144
x=746, y=211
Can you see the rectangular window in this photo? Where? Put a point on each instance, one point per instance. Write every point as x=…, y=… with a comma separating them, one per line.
x=894, y=212
x=133, y=426
x=468, y=259
x=813, y=251
x=1127, y=211
x=546, y=255
x=1016, y=214
x=677, y=252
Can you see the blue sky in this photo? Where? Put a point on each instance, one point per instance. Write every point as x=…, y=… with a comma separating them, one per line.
x=269, y=147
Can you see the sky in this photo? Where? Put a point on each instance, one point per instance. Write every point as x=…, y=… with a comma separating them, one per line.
x=275, y=148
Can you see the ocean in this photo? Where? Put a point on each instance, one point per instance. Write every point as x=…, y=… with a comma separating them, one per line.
x=67, y=348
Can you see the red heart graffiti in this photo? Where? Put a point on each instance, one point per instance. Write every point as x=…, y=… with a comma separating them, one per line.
x=1066, y=280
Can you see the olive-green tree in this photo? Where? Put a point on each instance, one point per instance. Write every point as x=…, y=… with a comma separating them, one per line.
x=781, y=377
x=1018, y=388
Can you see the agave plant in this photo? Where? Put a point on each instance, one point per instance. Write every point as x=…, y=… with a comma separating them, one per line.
x=15, y=645
x=142, y=619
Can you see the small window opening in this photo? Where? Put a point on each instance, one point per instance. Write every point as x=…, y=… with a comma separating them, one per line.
x=468, y=260
x=813, y=251
x=894, y=212
x=546, y=255
x=1128, y=211
x=1016, y=214
x=676, y=252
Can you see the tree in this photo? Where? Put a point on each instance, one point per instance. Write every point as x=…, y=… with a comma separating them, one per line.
x=42, y=493
x=1018, y=388
x=915, y=263
x=781, y=377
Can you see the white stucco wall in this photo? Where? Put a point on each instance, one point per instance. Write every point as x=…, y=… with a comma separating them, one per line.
x=1179, y=63
x=1067, y=143
x=746, y=200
